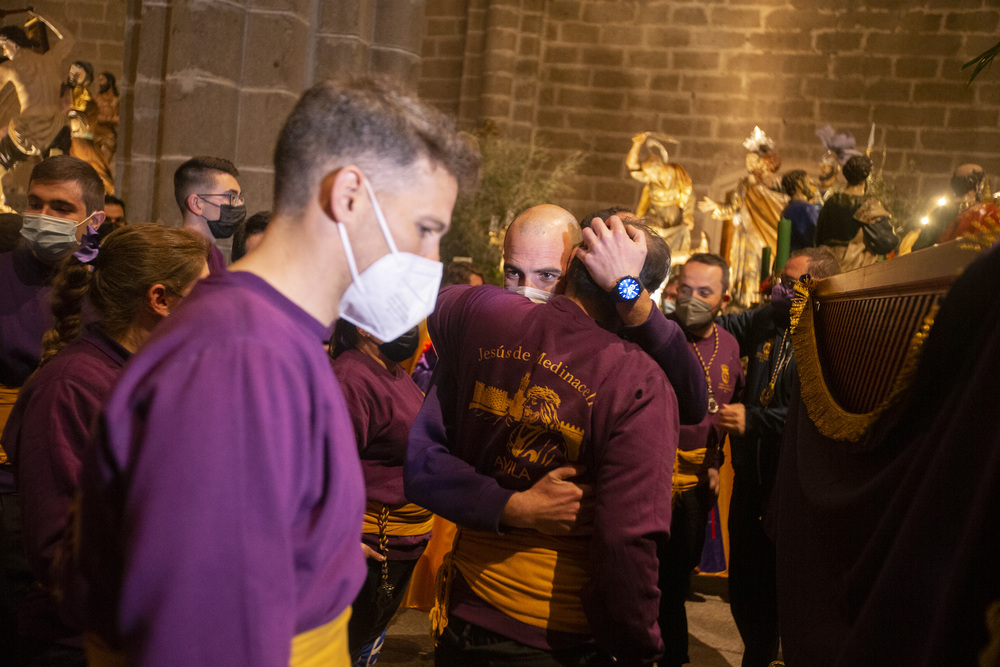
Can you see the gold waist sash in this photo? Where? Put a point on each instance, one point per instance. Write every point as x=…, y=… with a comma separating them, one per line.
x=8, y=396
x=324, y=646
x=406, y=519
x=533, y=578
x=689, y=468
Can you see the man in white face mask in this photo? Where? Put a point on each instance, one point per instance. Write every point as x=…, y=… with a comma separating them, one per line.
x=232, y=406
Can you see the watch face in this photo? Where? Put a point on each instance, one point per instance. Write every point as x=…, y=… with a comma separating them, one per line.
x=629, y=289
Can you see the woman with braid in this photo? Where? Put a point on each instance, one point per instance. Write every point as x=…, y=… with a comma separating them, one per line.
x=383, y=401
x=137, y=277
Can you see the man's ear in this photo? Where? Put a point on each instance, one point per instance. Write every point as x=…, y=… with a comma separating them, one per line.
x=98, y=219
x=193, y=203
x=726, y=299
x=339, y=193
x=157, y=299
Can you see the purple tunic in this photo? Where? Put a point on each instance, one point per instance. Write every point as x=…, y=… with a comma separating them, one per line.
x=222, y=503
x=727, y=386
x=24, y=314
x=45, y=438
x=383, y=405
x=524, y=389
x=216, y=260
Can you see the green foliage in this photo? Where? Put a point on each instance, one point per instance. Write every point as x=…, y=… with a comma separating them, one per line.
x=514, y=176
x=982, y=61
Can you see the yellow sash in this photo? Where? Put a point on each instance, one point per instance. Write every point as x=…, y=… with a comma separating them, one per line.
x=533, y=578
x=406, y=519
x=325, y=646
x=689, y=468
x=8, y=396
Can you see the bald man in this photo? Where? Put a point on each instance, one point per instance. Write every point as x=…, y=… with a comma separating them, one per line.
x=537, y=248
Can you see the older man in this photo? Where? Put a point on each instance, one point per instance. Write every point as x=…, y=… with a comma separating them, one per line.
x=537, y=248
x=532, y=395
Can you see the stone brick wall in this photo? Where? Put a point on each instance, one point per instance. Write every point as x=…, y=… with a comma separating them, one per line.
x=588, y=74
x=97, y=25
x=217, y=77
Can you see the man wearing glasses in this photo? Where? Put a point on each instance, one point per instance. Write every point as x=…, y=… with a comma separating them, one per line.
x=211, y=202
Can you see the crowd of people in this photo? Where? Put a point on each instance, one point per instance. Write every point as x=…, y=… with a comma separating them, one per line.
x=212, y=462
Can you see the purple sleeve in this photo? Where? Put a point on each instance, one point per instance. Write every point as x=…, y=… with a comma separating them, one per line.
x=214, y=450
x=53, y=429
x=445, y=484
x=664, y=341
x=632, y=516
x=357, y=407
x=433, y=477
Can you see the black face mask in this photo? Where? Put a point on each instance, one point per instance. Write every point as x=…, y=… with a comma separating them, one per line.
x=402, y=348
x=230, y=217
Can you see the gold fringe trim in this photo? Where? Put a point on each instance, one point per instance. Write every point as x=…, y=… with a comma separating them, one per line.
x=830, y=418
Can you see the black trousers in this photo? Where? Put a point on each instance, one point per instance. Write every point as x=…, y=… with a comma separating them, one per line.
x=753, y=589
x=368, y=620
x=678, y=558
x=463, y=644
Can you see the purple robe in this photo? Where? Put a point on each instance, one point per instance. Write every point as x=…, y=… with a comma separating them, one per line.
x=45, y=438
x=216, y=260
x=383, y=405
x=24, y=314
x=595, y=399
x=222, y=501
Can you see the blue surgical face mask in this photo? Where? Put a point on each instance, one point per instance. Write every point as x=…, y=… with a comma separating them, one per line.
x=51, y=238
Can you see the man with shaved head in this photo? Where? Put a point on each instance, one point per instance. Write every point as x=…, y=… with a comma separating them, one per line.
x=537, y=249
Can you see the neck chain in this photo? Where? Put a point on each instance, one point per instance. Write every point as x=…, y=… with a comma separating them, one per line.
x=768, y=394
x=713, y=405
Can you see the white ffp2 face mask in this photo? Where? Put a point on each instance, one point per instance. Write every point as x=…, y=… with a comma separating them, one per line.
x=393, y=294
x=536, y=295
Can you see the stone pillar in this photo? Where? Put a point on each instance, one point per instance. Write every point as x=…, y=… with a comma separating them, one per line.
x=217, y=77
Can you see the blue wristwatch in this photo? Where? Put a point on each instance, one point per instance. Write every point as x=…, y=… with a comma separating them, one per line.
x=627, y=289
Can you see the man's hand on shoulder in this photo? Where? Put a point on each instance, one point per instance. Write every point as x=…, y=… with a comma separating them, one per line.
x=553, y=505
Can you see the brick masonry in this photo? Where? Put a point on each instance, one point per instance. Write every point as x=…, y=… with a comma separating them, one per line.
x=218, y=77
x=588, y=74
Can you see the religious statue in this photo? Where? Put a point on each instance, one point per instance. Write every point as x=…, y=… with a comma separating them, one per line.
x=83, y=115
x=666, y=195
x=839, y=149
x=40, y=127
x=750, y=217
x=972, y=210
x=106, y=129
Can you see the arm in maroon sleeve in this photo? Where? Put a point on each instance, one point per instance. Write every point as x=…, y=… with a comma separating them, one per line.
x=435, y=478
x=53, y=431
x=631, y=517
x=665, y=342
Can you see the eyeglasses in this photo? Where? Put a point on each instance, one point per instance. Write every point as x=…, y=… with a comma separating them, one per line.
x=235, y=199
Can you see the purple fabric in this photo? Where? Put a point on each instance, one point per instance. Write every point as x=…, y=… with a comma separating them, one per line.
x=383, y=405
x=471, y=447
x=45, y=438
x=221, y=506
x=887, y=547
x=24, y=314
x=803, y=216
x=216, y=260
x=664, y=341
x=90, y=243
x=727, y=384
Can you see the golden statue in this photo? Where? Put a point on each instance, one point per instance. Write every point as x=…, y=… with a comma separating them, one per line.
x=750, y=217
x=666, y=196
